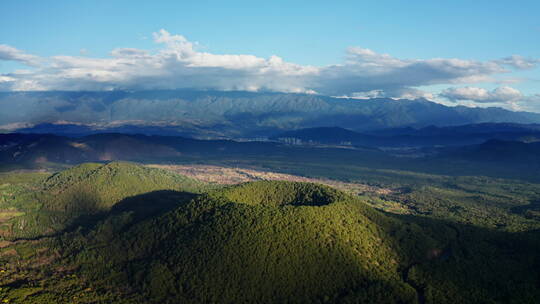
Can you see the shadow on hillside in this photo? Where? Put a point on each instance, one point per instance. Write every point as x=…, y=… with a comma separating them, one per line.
x=224, y=255
x=243, y=255
x=468, y=262
x=152, y=203
x=142, y=206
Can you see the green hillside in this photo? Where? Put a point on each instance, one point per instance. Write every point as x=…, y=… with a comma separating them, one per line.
x=95, y=187
x=151, y=236
x=294, y=242
x=87, y=190
x=246, y=243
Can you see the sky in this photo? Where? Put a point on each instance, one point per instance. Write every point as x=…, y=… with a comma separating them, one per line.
x=476, y=53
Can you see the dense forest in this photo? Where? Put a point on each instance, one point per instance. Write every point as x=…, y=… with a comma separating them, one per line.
x=124, y=233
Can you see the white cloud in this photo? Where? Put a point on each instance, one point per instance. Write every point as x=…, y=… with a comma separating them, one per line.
x=6, y=79
x=9, y=53
x=128, y=52
x=519, y=62
x=368, y=94
x=177, y=65
x=404, y=93
x=503, y=94
x=414, y=94
x=180, y=64
x=366, y=70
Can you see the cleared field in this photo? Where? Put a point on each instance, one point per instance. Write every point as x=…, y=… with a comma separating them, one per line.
x=222, y=175
x=231, y=176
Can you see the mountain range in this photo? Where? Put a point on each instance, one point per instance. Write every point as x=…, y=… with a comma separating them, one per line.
x=214, y=114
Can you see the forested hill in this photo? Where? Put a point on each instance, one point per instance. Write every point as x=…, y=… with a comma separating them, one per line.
x=237, y=114
x=161, y=238
x=73, y=196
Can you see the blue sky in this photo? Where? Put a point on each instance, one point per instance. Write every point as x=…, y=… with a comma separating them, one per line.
x=306, y=33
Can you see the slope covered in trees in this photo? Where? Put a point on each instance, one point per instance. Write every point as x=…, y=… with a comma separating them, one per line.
x=162, y=238
x=86, y=191
x=284, y=241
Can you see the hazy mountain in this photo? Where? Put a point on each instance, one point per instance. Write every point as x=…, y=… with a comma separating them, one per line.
x=236, y=114
x=36, y=149
x=412, y=137
x=500, y=152
x=29, y=148
x=467, y=129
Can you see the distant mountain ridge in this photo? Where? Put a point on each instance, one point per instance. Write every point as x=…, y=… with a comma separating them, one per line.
x=411, y=137
x=500, y=151
x=47, y=148
x=236, y=114
x=520, y=158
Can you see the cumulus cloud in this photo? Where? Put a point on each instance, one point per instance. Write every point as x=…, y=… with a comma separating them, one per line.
x=177, y=65
x=499, y=95
x=9, y=53
x=180, y=64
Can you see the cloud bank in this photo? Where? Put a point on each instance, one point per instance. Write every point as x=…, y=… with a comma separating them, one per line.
x=501, y=94
x=179, y=64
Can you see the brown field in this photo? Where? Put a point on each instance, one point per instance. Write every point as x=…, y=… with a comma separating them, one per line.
x=230, y=176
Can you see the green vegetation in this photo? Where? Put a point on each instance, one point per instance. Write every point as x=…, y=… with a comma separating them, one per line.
x=81, y=194
x=18, y=197
x=97, y=187
x=262, y=248
x=132, y=234
x=503, y=204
